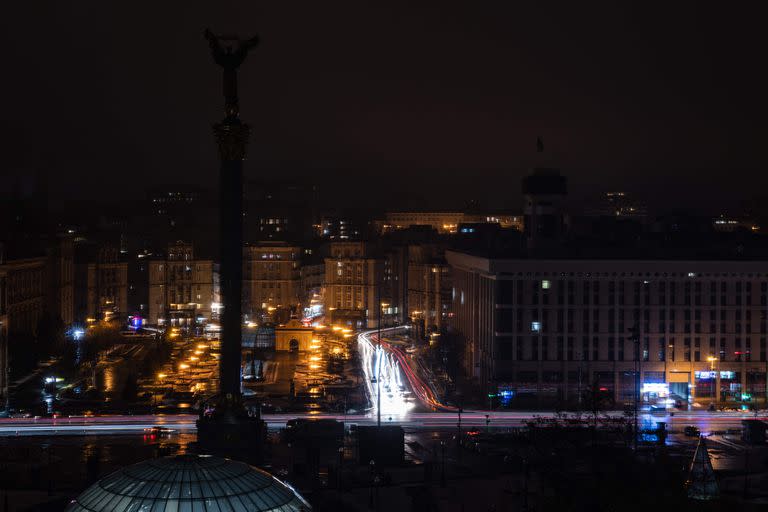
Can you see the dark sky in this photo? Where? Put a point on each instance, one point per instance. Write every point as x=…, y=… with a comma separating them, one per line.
x=435, y=105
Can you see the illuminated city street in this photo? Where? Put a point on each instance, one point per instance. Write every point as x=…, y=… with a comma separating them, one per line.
x=707, y=422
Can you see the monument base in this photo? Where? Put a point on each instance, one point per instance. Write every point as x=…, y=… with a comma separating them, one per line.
x=228, y=431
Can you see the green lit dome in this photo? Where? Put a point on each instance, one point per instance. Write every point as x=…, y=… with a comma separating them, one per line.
x=189, y=483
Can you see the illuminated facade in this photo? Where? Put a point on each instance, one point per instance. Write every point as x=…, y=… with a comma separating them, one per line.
x=428, y=288
x=22, y=303
x=552, y=328
x=272, y=276
x=443, y=222
x=107, y=285
x=293, y=337
x=448, y=222
x=351, y=277
x=61, y=279
x=181, y=288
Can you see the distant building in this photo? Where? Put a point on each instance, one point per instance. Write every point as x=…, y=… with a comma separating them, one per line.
x=352, y=277
x=107, y=285
x=23, y=288
x=443, y=222
x=726, y=224
x=343, y=227
x=173, y=199
x=620, y=204
x=504, y=220
x=282, y=210
x=428, y=288
x=272, y=276
x=61, y=281
x=550, y=329
x=3, y=332
x=447, y=222
x=544, y=192
x=181, y=288
x=312, y=281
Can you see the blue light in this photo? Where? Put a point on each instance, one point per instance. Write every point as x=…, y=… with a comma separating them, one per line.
x=77, y=334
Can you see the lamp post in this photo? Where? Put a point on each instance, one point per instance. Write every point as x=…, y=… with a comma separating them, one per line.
x=378, y=345
x=442, y=472
x=341, y=468
x=372, y=465
x=634, y=333
x=712, y=360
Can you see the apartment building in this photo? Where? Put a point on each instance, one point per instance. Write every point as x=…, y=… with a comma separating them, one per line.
x=182, y=288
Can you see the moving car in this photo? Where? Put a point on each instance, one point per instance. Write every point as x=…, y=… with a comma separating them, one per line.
x=691, y=431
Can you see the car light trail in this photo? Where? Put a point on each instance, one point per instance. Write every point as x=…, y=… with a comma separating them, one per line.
x=382, y=375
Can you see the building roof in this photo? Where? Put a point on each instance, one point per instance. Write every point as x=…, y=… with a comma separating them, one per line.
x=189, y=482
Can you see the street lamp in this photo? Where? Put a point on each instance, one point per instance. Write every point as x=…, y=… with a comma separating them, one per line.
x=713, y=364
x=372, y=465
x=442, y=472
x=341, y=467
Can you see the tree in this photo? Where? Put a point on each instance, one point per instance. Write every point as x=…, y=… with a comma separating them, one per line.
x=98, y=338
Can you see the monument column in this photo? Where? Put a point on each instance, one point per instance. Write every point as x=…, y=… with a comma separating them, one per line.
x=228, y=429
x=231, y=134
x=232, y=138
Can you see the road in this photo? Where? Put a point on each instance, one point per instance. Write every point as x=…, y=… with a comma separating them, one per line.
x=388, y=370
x=384, y=381
x=706, y=421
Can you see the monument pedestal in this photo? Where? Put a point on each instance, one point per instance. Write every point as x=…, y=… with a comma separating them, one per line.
x=229, y=431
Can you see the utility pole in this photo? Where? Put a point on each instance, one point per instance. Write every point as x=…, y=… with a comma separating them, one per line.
x=378, y=345
x=635, y=336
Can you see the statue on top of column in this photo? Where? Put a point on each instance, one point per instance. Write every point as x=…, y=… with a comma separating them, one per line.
x=229, y=52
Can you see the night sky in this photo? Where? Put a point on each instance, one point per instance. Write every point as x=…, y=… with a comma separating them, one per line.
x=440, y=104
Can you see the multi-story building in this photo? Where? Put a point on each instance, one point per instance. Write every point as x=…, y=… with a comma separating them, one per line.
x=107, y=285
x=312, y=281
x=181, y=288
x=280, y=210
x=352, y=277
x=443, y=222
x=3, y=332
x=448, y=222
x=343, y=226
x=428, y=287
x=544, y=192
x=61, y=281
x=726, y=224
x=22, y=305
x=272, y=277
x=552, y=328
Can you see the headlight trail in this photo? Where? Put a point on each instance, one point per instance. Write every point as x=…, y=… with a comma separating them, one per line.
x=379, y=365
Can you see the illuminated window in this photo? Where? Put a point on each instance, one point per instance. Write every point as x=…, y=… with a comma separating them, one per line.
x=545, y=285
x=535, y=326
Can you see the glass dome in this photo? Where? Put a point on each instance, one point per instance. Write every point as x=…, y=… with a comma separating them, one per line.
x=193, y=483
